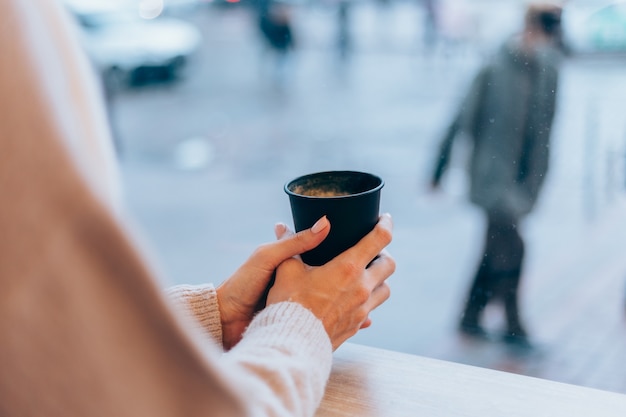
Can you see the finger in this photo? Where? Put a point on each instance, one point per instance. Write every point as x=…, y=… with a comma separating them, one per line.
x=281, y=230
x=380, y=269
x=373, y=243
x=290, y=244
x=378, y=296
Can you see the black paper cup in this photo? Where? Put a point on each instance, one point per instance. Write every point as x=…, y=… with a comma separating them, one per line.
x=349, y=199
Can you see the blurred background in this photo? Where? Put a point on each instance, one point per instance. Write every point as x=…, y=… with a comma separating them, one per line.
x=210, y=122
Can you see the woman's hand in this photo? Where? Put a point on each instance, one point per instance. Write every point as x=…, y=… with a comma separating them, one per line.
x=242, y=295
x=344, y=291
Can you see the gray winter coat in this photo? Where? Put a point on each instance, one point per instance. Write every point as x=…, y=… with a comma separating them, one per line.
x=508, y=114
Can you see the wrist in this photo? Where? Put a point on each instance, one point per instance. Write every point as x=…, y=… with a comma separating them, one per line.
x=222, y=301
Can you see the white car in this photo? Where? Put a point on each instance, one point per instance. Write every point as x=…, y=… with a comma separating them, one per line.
x=128, y=49
x=595, y=27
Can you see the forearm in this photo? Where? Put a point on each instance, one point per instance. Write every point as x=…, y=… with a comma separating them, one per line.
x=282, y=362
x=284, y=358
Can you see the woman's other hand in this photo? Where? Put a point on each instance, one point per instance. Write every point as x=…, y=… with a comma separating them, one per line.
x=345, y=290
x=241, y=296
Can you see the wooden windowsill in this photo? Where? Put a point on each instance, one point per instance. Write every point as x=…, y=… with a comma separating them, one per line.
x=371, y=382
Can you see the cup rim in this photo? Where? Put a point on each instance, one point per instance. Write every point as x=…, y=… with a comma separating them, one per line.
x=370, y=191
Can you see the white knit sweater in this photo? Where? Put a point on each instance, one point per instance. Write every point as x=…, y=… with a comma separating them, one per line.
x=84, y=328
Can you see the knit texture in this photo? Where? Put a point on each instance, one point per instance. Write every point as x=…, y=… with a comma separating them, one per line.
x=283, y=333
x=199, y=302
x=85, y=328
x=287, y=333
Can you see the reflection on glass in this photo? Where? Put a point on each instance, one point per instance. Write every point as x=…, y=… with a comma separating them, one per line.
x=384, y=110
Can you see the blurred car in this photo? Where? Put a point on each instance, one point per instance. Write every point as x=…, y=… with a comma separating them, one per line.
x=592, y=27
x=129, y=50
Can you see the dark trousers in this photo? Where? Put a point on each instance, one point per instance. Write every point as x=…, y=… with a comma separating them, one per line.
x=498, y=273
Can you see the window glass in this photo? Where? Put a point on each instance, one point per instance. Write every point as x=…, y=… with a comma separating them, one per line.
x=214, y=105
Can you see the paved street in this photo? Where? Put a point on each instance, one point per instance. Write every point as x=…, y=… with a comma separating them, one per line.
x=205, y=159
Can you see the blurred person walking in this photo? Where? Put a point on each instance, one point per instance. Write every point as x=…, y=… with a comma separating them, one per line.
x=344, y=38
x=275, y=27
x=507, y=115
x=430, y=33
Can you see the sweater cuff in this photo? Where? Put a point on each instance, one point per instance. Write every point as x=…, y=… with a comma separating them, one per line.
x=287, y=346
x=289, y=322
x=199, y=302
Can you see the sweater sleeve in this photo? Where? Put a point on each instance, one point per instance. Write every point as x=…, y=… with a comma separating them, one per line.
x=85, y=328
x=285, y=344
x=287, y=354
x=200, y=303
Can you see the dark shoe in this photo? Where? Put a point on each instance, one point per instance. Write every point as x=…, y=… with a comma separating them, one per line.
x=518, y=339
x=473, y=330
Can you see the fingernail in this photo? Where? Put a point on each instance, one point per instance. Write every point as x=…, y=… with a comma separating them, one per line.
x=280, y=228
x=320, y=225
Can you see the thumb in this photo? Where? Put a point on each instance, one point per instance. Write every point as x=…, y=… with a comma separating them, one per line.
x=268, y=256
x=290, y=244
